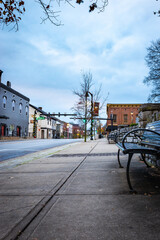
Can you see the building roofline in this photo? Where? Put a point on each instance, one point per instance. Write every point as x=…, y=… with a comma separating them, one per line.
x=125, y=103
x=14, y=91
x=43, y=112
x=38, y=109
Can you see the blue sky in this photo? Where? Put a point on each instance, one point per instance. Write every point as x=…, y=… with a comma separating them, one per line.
x=44, y=62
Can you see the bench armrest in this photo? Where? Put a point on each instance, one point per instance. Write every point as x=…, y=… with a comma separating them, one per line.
x=136, y=135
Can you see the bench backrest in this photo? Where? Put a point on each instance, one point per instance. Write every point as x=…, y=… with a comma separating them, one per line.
x=150, y=138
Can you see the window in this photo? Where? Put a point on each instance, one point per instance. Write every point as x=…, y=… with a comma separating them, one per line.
x=114, y=117
x=13, y=105
x=4, y=101
x=26, y=110
x=20, y=108
x=125, y=116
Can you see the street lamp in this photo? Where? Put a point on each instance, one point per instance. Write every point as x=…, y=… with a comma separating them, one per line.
x=111, y=118
x=68, y=130
x=34, y=124
x=87, y=92
x=131, y=117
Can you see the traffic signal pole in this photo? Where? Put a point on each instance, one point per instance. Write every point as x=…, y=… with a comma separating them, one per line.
x=91, y=133
x=91, y=116
x=85, y=126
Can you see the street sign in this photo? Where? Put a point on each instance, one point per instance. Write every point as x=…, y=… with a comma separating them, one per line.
x=40, y=118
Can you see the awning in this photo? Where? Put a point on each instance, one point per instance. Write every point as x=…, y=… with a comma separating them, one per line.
x=3, y=117
x=109, y=128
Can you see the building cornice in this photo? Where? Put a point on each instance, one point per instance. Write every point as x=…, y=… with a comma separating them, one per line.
x=14, y=92
x=43, y=112
x=124, y=104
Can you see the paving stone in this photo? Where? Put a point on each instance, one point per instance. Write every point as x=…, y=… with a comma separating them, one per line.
x=101, y=217
x=29, y=183
x=13, y=209
x=58, y=160
x=45, y=168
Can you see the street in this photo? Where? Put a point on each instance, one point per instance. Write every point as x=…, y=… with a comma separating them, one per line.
x=15, y=149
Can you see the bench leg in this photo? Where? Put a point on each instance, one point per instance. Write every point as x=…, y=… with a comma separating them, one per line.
x=119, y=159
x=144, y=160
x=127, y=173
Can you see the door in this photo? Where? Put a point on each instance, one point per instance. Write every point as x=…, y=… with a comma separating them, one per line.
x=42, y=134
x=18, y=131
x=2, y=130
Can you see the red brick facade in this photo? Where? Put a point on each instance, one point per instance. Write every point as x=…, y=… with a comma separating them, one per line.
x=123, y=114
x=77, y=132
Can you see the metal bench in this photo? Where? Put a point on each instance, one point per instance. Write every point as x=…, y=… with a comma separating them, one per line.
x=112, y=136
x=117, y=135
x=143, y=141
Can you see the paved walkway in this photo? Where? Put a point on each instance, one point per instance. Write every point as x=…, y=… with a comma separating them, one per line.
x=79, y=193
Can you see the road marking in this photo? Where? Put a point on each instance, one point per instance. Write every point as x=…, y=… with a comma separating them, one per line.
x=8, y=150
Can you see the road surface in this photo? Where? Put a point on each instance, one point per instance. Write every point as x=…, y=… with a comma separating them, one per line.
x=13, y=149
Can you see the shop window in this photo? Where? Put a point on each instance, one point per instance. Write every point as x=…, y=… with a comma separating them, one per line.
x=11, y=130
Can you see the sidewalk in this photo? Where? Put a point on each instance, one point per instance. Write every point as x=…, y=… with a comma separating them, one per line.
x=79, y=193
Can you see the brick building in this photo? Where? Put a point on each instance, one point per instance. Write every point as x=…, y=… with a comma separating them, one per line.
x=77, y=132
x=123, y=115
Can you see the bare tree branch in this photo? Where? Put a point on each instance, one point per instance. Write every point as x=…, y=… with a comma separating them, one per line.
x=11, y=10
x=49, y=13
x=153, y=78
x=87, y=86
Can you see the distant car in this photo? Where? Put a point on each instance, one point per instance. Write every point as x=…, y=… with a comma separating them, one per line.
x=100, y=135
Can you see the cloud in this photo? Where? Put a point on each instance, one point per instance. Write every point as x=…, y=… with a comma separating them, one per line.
x=112, y=45
x=48, y=97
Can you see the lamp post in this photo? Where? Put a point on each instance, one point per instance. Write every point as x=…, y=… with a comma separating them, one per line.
x=85, y=117
x=111, y=118
x=34, y=124
x=91, y=112
x=131, y=117
x=68, y=130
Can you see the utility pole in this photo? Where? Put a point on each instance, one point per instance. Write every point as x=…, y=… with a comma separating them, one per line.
x=91, y=116
x=34, y=125
x=85, y=126
x=91, y=113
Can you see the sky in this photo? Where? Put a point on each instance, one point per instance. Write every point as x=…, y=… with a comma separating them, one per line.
x=45, y=62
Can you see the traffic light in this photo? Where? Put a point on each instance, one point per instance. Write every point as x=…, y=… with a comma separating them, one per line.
x=96, y=109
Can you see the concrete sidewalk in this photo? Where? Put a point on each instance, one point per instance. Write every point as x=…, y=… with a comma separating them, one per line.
x=79, y=193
